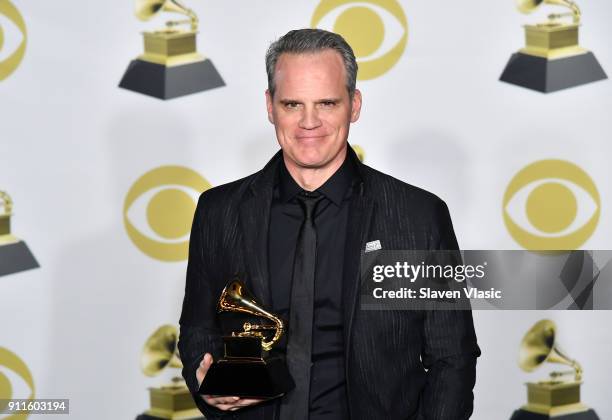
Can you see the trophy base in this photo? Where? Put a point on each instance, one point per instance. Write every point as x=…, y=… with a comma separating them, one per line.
x=528, y=415
x=253, y=378
x=16, y=257
x=171, y=402
x=165, y=82
x=544, y=75
x=149, y=417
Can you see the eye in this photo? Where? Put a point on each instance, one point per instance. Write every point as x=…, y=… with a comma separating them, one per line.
x=16, y=380
x=376, y=30
x=328, y=104
x=551, y=204
x=158, y=211
x=12, y=39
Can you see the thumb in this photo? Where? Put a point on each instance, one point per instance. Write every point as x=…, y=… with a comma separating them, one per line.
x=207, y=360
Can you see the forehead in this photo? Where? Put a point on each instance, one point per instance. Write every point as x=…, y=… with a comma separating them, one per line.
x=310, y=72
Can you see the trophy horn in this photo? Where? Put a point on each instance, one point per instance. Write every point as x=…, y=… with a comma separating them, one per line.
x=160, y=351
x=528, y=6
x=539, y=346
x=237, y=298
x=146, y=9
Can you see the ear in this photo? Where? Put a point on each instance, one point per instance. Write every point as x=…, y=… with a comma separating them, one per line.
x=356, y=106
x=269, y=106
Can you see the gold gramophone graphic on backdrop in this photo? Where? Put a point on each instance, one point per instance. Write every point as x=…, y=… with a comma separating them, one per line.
x=171, y=401
x=247, y=369
x=170, y=66
x=359, y=152
x=552, y=58
x=559, y=397
x=15, y=256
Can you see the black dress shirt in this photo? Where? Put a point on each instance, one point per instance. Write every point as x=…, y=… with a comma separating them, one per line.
x=327, y=387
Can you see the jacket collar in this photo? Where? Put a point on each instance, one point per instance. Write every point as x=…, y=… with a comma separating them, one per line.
x=263, y=181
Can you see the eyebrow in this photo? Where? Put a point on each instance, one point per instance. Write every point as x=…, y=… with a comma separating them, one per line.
x=295, y=101
x=329, y=100
x=289, y=101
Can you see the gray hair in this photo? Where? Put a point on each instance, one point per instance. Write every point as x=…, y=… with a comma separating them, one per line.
x=302, y=41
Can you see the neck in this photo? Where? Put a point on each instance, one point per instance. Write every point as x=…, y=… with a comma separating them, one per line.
x=312, y=178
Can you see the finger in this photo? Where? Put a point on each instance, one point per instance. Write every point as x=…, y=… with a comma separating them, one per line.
x=221, y=400
x=207, y=360
x=227, y=407
x=249, y=401
x=231, y=403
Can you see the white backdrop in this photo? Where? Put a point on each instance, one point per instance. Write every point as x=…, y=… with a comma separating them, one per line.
x=72, y=144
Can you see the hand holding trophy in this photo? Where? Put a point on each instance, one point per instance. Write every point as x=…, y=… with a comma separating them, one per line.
x=222, y=402
x=246, y=369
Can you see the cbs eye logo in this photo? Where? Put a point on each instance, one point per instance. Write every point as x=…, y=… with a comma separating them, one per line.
x=15, y=378
x=158, y=211
x=12, y=38
x=551, y=205
x=377, y=30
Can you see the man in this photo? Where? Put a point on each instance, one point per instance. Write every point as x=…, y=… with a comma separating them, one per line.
x=294, y=231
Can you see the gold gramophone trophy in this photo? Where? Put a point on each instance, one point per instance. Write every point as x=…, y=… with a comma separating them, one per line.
x=170, y=66
x=552, y=59
x=246, y=370
x=559, y=397
x=171, y=401
x=15, y=256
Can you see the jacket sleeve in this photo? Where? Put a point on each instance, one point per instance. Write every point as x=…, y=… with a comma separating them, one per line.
x=199, y=329
x=449, y=348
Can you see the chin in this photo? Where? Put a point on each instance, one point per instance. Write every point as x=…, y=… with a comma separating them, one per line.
x=311, y=163
x=308, y=156
x=312, y=157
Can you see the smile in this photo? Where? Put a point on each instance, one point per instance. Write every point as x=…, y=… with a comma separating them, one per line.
x=311, y=137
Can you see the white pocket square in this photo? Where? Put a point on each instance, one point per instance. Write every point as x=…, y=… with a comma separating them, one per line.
x=373, y=246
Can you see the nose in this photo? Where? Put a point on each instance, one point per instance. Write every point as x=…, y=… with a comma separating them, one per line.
x=310, y=118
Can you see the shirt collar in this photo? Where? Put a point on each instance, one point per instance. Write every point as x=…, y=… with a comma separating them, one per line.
x=335, y=188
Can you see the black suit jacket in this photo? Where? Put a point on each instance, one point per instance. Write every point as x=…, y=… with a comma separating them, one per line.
x=399, y=364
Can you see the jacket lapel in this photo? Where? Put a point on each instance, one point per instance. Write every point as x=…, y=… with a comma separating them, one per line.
x=358, y=226
x=255, y=221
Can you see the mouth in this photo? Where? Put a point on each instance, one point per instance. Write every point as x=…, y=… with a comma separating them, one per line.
x=311, y=137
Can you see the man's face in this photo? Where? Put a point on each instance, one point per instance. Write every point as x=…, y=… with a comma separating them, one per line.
x=311, y=109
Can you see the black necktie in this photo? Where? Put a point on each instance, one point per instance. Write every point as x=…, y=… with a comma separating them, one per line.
x=295, y=405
